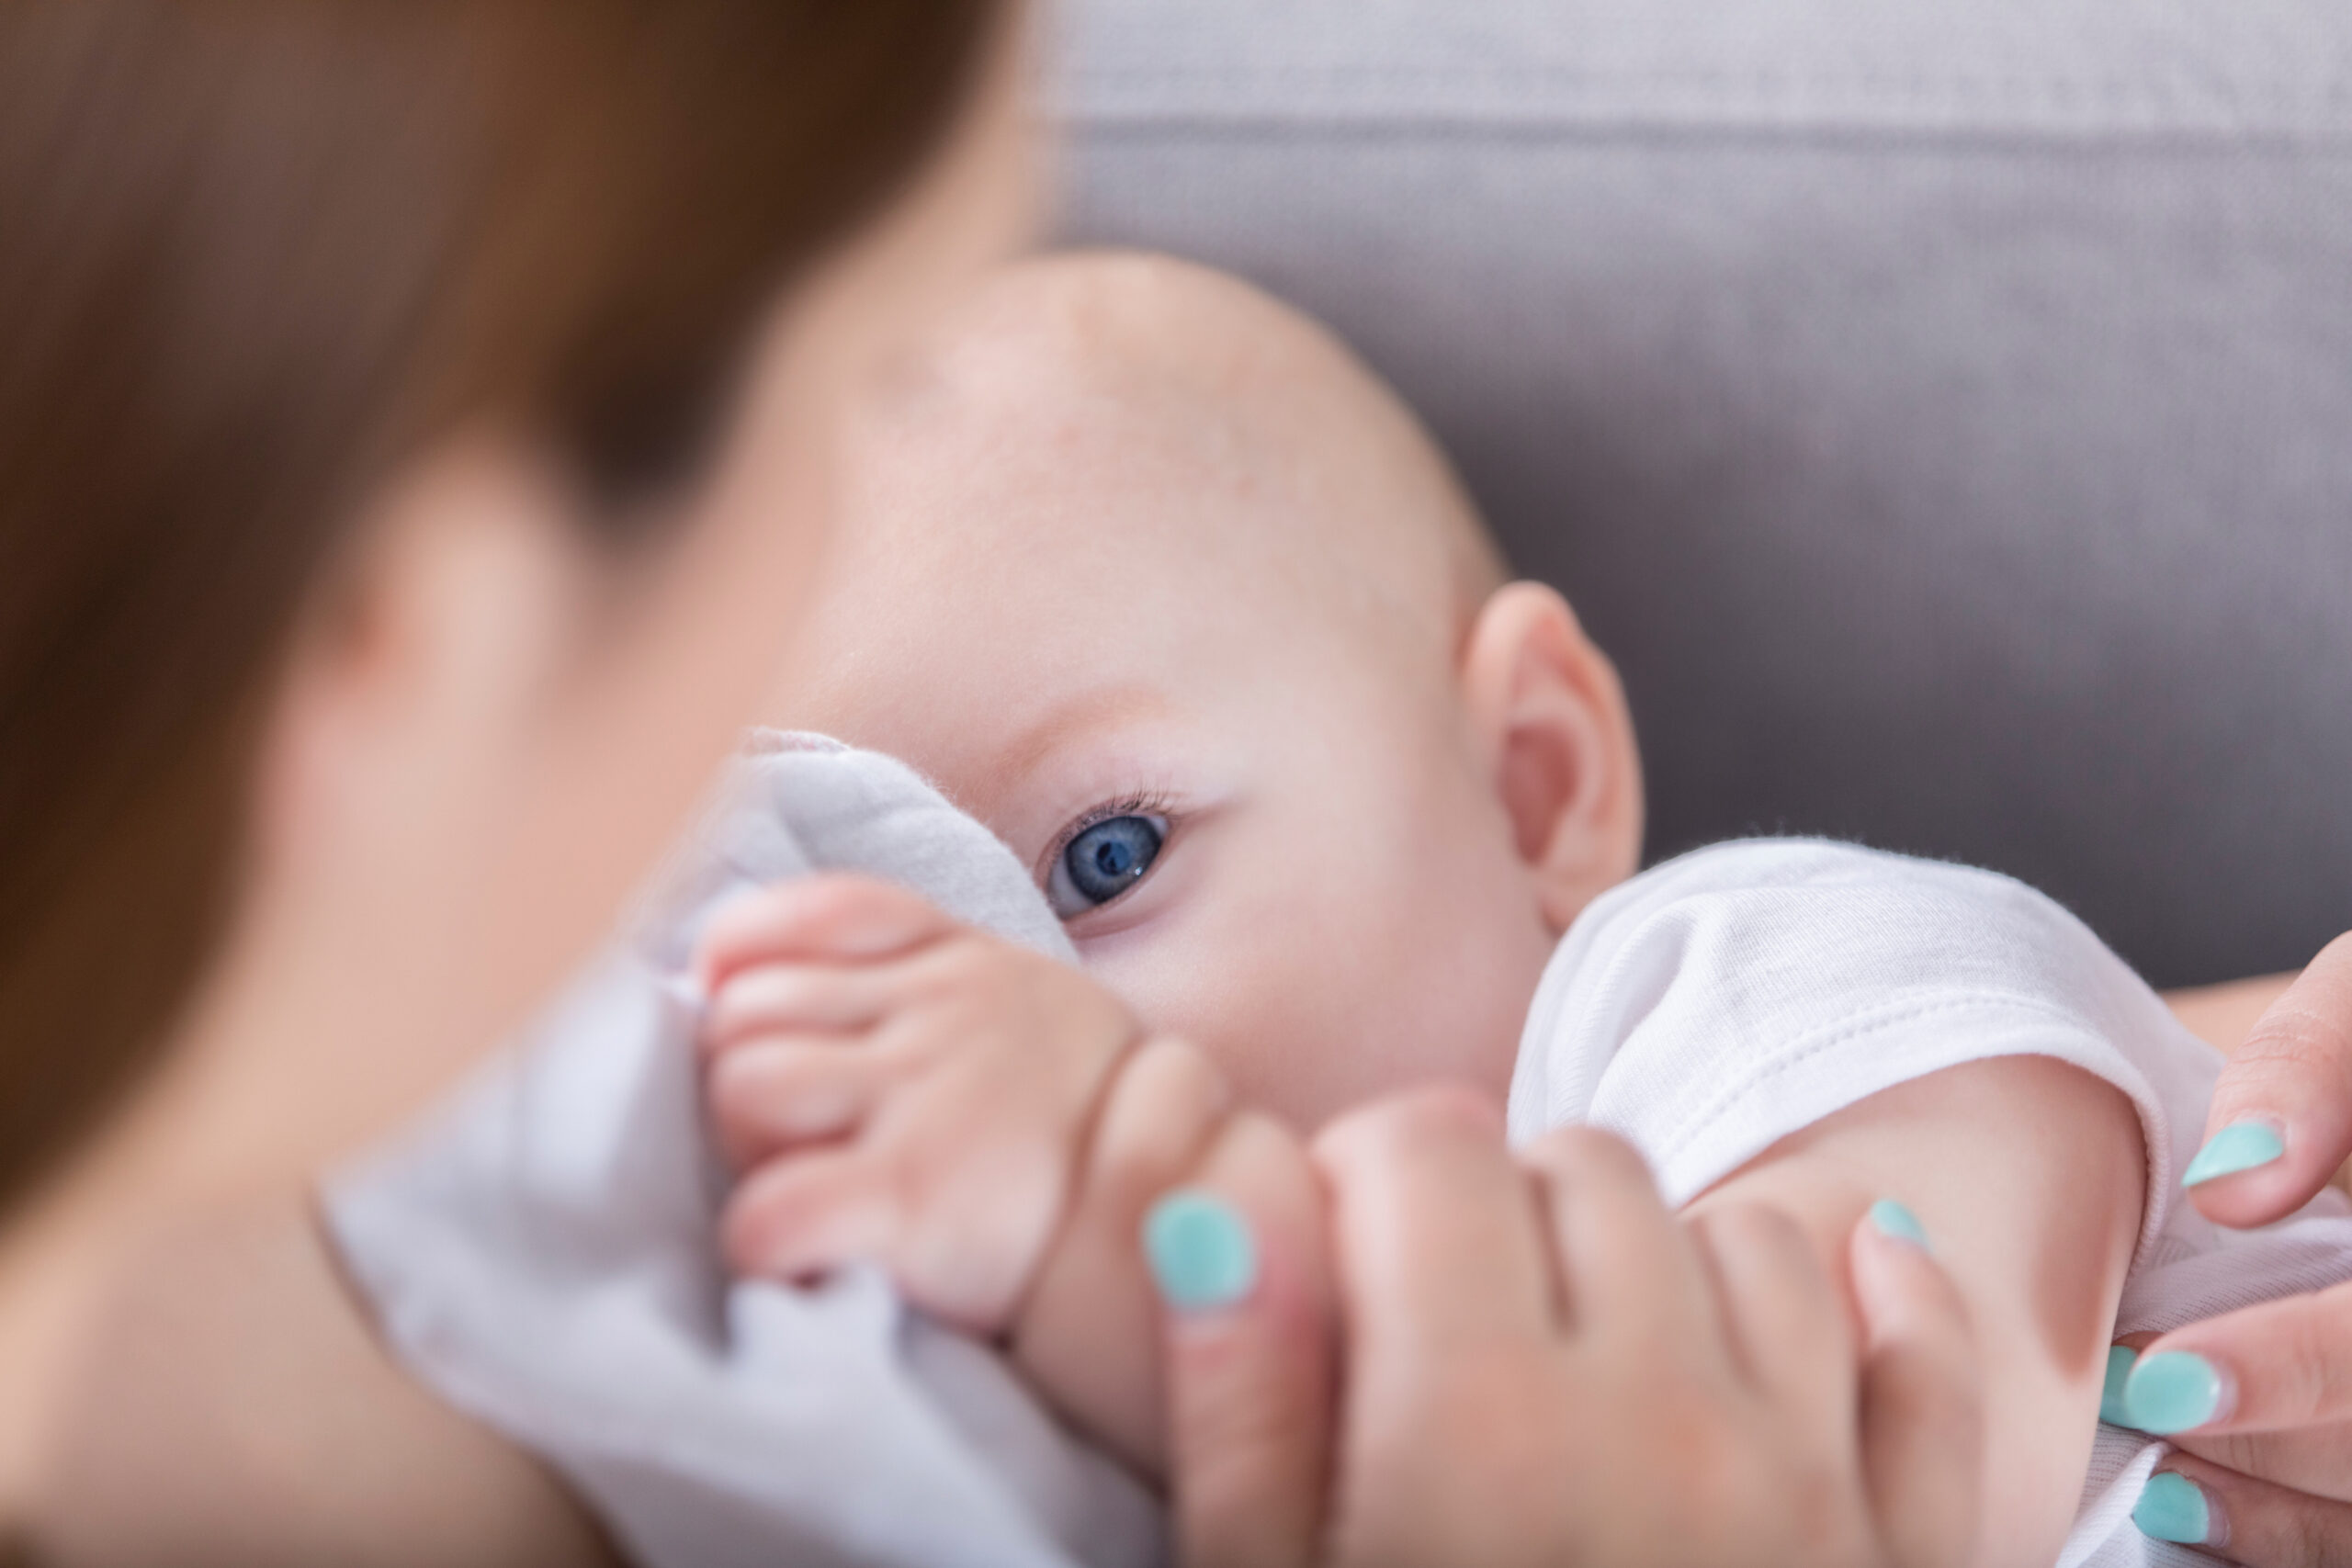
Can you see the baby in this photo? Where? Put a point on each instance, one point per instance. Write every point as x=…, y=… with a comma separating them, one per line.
x=1157, y=582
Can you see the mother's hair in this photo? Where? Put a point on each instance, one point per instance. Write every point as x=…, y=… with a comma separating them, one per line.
x=256, y=251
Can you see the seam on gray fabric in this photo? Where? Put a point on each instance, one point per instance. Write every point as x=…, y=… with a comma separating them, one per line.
x=1745, y=99
x=1377, y=129
x=1912, y=81
x=1909, y=89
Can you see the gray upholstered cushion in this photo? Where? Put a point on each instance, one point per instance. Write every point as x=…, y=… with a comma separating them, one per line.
x=1944, y=412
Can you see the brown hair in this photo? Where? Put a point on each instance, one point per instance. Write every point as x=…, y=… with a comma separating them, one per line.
x=252, y=251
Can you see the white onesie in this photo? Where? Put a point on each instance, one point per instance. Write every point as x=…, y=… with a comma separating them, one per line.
x=541, y=1250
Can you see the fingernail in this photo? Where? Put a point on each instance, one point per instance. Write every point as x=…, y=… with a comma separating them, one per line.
x=1892, y=1219
x=2119, y=1361
x=2173, y=1507
x=1200, y=1250
x=2241, y=1145
x=2173, y=1390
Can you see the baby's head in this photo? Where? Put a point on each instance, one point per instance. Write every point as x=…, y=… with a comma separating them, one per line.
x=1150, y=575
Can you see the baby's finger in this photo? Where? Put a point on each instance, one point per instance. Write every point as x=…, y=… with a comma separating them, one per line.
x=1158, y=1115
x=1165, y=1101
x=836, y=916
x=797, y=1217
x=2241, y=1519
x=1625, y=1266
x=1922, y=1399
x=1786, y=1325
x=780, y=1092
x=770, y=999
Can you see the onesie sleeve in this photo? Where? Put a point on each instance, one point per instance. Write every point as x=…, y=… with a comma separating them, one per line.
x=1718, y=1002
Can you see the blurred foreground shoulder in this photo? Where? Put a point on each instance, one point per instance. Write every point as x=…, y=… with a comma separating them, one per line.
x=241, y=1411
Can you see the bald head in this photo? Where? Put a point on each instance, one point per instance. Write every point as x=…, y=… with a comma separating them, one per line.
x=1311, y=475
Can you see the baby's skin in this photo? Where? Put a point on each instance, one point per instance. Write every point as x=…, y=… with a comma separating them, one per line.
x=1151, y=577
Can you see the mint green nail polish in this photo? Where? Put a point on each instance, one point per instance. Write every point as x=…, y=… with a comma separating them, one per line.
x=1200, y=1250
x=2173, y=1507
x=2241, y=1145
x=2120, y=1362
x=2172, y=1390
x=1891, y=1218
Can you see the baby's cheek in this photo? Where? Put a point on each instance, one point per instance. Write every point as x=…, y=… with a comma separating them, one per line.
x=1307, y=1029
x=1442, y=1022
x=1327, y=956
x=1250, y=1006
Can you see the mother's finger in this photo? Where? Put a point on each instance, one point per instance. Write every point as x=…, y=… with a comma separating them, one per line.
x=2277, y=1364
x=2280, y=1122
x=2241, y=1519
x=1788, y=1330
x=1249, y=1350
x=1923, y=1413
x=2317, y=1460
x=1624, y=1263
x=1435, y=1227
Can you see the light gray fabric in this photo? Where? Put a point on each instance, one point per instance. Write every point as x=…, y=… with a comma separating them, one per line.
x=1943, y=412
x=541, y=1252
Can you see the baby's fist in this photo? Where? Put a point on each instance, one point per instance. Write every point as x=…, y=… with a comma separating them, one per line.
x=896, y=1089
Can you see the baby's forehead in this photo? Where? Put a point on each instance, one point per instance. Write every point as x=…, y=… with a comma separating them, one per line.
x=1133, y=464
x=1099, y=385
x=1060, y=364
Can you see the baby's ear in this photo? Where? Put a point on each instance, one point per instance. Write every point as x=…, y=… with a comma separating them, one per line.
x=1559, y=746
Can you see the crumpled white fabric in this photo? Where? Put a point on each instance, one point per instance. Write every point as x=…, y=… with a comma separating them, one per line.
x=541, y=1253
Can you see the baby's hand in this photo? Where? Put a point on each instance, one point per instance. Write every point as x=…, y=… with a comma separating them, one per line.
x=896, y=1089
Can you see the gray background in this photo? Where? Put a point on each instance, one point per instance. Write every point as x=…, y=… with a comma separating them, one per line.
x=1943, y=414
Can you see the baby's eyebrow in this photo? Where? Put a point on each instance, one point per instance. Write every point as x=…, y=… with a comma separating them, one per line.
x=1086, y=712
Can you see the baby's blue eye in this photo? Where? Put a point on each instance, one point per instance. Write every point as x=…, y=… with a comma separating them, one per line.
x=1104, y=861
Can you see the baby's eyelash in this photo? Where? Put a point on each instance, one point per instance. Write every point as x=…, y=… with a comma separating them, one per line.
x=1149, y=803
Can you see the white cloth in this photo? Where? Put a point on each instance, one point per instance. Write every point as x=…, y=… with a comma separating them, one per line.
x=542, y=1253
x=1715, y=1004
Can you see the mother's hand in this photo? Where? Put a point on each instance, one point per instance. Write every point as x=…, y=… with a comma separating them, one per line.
x=1542, y=1365
x=2264, y=1396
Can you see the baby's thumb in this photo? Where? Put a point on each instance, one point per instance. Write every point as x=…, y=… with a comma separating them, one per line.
x=1922, y=1402
x=2281, y=1116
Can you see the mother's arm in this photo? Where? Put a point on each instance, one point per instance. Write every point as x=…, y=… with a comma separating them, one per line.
x=241, y=1412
